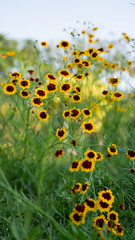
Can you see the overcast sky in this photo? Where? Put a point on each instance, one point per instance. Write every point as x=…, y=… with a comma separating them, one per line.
x=45, y=20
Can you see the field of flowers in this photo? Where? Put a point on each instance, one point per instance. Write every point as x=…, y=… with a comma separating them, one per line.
x=67, y=138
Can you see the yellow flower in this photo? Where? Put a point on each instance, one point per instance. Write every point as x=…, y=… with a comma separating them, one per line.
x=24, y=83
x=43, y=44
x=24, y=94
x=91, y=204
x=75, y=113
x=114, y=81
x=50, y=77
x=11, y=53
x=42, y=115
x=84, y=187
x=110, y=45
x=60, y=133
x=51, y=87
x=9, y=89
x=64, y=73
x=77, y=218
x=65, y=87
x=86, y=63
x=36, y=102
x=75, y=166
x=88, y=127
x=117, y=96
x=106, y=196
x=87, y=165
x=39, y=92
x=64, y=44
x=99, y=221
x=76, y=98
x=87, y=112
x=3, y=56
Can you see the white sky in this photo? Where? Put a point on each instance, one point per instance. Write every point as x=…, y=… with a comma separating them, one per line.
x=45, y=20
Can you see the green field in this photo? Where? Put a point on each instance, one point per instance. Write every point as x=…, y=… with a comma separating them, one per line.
x=67, y=139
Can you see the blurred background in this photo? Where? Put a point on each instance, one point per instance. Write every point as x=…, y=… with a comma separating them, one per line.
x=45, y=20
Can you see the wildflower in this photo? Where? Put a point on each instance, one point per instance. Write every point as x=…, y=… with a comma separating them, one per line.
x=9, y=89
x=60, y=133
x=39, y=92
x=121, y=206
x=36, y=102
x=83, y=32
x=50, y=77
x=105, y=64
x=3, y=56
x=64, y=44
x=73, y=142
x=95, y=28
x=76, y=188
x=75, y=113
x=87, y=165
x=75, y=166
x=108, y=155
x=90, y=154
x=82, y=53
x=91, y=40
x=43, y=116
x=94, y=55
x=129, y=63
x=87, y=112
x=110, y=45
x=79, y=76
x=51, y=87
x=101, y=50
x=15, y=74
x=76, y=61
x=77, y=88
x=66, y=114
x=86, y=63
x=80, y=209
x=11, y=53
x=64, y=73
x=90, y=51
x=113, y=216
x=131, y=154
x=59, y=153
x=65, y=58
x=132, y=170
x=14, y=81
x=106, y=196
x=99, y=222
x=119, y=230
x=43, y=44
x=103, y=206
x=84, y=187
x=24, y=83
x=114, y=81
x=30, y=71
x=75, y=53
x=24, y=94
x=112, y=149
x=91, y=204
x=69, y=65
x=127, y=38
x=76, y=98
x=77, y=218
x=100, y=156
x=117, y=96
x=65, y=87
x=88, y=127
x=105, y=92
